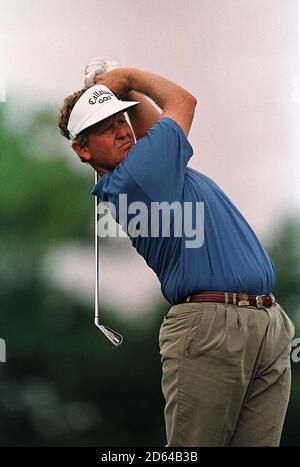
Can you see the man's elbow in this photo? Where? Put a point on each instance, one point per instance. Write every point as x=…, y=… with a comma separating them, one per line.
x=191, y=101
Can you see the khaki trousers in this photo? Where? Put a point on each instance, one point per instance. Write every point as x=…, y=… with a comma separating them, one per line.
x=225, y=374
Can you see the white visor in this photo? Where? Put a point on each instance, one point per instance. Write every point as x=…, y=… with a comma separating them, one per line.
x=95, y=104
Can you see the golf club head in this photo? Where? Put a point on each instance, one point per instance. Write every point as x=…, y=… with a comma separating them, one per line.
x=114, y=337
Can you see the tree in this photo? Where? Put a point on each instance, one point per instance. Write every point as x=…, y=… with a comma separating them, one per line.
x=62, y=384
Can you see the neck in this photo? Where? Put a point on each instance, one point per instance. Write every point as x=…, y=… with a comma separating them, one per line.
x=100, y=171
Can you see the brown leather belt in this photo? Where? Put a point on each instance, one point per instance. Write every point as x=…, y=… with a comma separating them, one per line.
x=232, y=298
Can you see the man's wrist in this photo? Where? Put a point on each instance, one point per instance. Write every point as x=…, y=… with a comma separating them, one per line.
x=128, y=79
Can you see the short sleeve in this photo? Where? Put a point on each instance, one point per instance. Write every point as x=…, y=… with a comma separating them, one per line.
x=158, y=161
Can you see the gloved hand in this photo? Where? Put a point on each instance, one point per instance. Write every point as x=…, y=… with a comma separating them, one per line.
x=97, y=66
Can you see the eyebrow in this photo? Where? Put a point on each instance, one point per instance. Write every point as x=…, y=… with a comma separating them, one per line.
x=103, y=124
x=99, y=125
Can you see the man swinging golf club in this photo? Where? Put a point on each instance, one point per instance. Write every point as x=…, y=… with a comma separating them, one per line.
x=225, y=342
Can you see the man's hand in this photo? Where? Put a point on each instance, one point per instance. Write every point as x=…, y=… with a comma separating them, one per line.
x=97, y=66
x=117, y=81
x=94, y=67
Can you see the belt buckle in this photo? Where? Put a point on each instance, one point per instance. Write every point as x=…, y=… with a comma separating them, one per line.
x=243, y=299
x=259, y=301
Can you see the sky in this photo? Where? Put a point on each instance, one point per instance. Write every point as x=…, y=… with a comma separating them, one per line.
x=240, y=58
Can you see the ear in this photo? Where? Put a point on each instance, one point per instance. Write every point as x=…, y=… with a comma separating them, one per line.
x=82, y=152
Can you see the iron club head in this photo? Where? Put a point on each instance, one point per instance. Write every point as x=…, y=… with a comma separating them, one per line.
x=114, y=337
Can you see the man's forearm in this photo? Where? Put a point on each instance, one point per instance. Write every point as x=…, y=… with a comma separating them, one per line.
x=176, y=102
x=161, y=90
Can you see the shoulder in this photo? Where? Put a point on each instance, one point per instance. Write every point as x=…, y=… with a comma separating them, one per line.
x=165, y=134
x=167, y=123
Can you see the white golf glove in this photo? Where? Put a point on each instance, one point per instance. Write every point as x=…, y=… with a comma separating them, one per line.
x=97, y=66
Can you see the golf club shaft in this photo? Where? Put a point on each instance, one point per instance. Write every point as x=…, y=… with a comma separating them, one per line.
x=114, y=337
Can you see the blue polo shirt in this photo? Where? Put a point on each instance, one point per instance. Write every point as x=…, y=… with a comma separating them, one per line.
x=224, y=254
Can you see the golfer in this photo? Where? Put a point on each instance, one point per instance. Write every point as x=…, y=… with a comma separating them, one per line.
x=225, y=343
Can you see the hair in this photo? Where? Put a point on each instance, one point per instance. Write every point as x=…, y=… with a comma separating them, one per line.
x=63, y=115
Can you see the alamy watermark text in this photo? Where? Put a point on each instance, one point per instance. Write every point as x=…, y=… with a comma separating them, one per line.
x=155, y=220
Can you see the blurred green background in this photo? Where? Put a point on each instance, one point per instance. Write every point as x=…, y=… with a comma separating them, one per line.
x=62, y=384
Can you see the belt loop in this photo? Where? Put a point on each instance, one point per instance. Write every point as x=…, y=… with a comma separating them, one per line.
x=234, y=298
x=226, y=298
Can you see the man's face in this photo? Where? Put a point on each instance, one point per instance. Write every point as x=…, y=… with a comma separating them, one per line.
x=108, y=143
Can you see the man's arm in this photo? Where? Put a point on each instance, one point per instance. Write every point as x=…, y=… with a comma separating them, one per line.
x=175, y=102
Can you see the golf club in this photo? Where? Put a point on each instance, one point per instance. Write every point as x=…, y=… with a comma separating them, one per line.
x=114, y=337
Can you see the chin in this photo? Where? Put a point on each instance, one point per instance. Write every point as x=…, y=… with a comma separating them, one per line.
x=123, y=154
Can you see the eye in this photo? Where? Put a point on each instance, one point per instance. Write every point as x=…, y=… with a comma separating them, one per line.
x=107, y=129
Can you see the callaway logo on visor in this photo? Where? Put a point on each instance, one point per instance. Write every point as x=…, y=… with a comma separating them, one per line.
x=99, y=94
